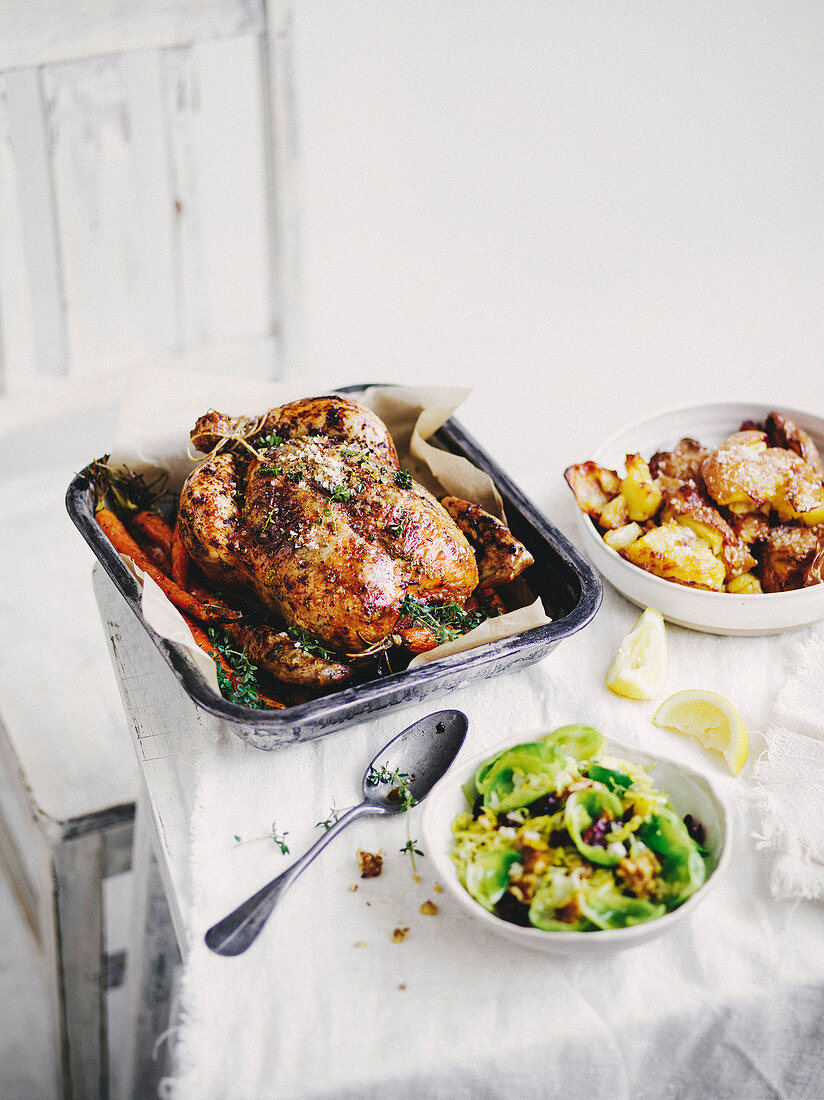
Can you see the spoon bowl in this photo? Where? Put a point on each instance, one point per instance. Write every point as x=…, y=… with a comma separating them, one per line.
x=404, y=771
x=400, y=775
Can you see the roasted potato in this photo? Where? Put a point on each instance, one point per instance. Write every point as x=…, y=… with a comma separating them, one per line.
x=691, y=507
x=787, y=554
x=593, y=486
x=639, y=490
x=683, y=463
x=677, y=554
x=746, y=516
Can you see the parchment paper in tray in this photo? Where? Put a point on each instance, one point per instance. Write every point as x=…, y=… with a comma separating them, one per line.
x=160, y=408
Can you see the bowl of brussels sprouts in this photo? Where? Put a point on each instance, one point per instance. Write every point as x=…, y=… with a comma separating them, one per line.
x=567, y=841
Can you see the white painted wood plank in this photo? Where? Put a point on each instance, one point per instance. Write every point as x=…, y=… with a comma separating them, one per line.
x=230, y=148
x=36, y=32
x=218, y=139
x=30, y=149
x=285, y=184
x=17, y=353
x=79, y=902
x=116, y=204
x=169, y=734
x=181, y=90
x=151, y=240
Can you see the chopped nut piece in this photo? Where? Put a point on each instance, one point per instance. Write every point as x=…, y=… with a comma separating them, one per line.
x=370, y=864
x=438, y=888
x=361, y=943
x=639, y=874
x=353, y=887
x=429, y=909
x=399, y=935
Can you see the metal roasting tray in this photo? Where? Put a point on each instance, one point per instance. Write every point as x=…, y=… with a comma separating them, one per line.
x=569, y=588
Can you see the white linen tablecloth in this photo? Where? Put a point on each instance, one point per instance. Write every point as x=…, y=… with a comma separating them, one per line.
x=325, y=1004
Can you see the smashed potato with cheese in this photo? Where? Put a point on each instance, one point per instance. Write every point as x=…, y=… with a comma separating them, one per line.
x=745, y=517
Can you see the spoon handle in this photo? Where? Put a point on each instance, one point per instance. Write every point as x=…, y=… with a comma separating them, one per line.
x=233, y=934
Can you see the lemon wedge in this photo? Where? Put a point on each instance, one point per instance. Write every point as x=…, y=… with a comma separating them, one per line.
x=639, y=670
x=711, y=719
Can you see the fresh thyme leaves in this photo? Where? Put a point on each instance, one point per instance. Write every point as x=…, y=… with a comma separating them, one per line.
x=399, y=793
x=241, y=686
x=334, y=814
x=307, y=642
x=269, y=469
x=341, y=493
x=273, y=834
x=383, y=775
x=446, y=621
x=413, y=851
x=397, y=529
x=403, y=479
x=279, y=840
x=268, y=440
x=295, y=475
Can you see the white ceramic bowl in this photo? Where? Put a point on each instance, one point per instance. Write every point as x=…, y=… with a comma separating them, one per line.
x=688, y=791
x=712, y=612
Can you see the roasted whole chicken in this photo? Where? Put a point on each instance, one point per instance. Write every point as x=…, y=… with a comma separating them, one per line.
x=304, y=515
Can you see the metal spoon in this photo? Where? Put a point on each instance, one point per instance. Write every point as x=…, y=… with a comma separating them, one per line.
x=399, y=776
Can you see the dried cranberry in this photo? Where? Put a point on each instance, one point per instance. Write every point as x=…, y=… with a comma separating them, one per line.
x=546, y=804
x=596, y=835
x=511, y=909
x=695, y=829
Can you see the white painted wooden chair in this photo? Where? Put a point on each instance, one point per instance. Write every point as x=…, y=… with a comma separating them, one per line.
x=142, y=189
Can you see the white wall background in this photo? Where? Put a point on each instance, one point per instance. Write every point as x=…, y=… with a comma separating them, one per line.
x=605, y=193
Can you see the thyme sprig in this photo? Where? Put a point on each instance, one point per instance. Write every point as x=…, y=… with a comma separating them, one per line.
x=308, y=642
x=334, y=815
x=268, y=440
x=242, y=686
x=446, y=621
x=403, y=479
x=273, y=834
x=400, y=793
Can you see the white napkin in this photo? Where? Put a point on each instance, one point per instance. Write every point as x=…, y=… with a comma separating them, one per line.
x=789, y=777
x=325, y=1004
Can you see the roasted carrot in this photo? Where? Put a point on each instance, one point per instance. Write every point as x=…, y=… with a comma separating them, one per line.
x=154, y=528
x=180, y=559
x=417, y=639
x=207, y=645
x=156, y=555
x=123, y=542
x=182, y=575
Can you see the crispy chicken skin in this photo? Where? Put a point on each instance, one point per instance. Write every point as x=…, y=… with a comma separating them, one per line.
x=320, y=528
x=500, y=556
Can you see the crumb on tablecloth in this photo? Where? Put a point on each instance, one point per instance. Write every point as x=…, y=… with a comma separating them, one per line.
x=429, y=909
x=399, y=935
x=370, y=864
